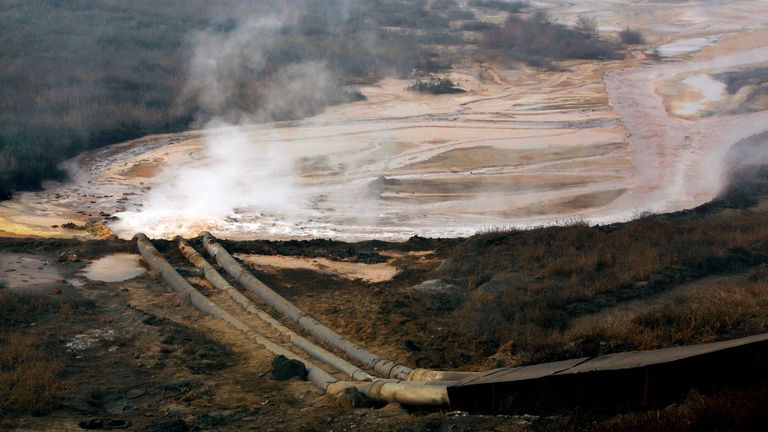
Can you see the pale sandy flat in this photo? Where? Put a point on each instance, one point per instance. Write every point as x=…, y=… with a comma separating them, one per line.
x=348, y=270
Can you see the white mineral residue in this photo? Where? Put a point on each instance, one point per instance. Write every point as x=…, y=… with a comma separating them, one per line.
x=711, y=91
x=687, y=46
x=89, y=339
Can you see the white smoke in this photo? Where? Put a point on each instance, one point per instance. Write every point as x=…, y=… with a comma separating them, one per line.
x=220, y=60
x=232, y=77
x=238, y=173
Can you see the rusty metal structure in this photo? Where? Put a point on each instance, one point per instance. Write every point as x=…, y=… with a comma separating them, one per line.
x=615, y=381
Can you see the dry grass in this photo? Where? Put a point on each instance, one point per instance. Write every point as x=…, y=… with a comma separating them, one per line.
x=733, y=311
x=543, y=279
x=18, y=309
x=29, y=380
x=729, y=411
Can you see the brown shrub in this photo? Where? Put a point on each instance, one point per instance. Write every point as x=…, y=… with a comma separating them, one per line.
x=629, y=36
x=481, y=319
x=539, y=39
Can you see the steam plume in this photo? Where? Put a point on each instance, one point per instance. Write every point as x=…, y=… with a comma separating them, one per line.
x=236, y=174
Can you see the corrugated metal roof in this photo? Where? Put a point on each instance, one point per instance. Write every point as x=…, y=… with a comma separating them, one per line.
x=624, y=360
x=634, y=359
x=610, y=381
x=523, y=372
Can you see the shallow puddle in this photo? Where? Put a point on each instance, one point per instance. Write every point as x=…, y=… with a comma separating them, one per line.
x=115, y=268
x=22, y=271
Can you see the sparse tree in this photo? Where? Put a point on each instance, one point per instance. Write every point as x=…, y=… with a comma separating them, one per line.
x=587, y=24
x=435, y=85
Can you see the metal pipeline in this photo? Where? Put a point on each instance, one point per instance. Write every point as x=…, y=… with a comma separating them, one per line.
x=385, y=390
x=314, y=351
x=316, y=375
x=383, y=366
x=408, y=393
x=438, y=375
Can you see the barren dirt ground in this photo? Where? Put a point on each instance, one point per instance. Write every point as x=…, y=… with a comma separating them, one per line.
x=136, y=352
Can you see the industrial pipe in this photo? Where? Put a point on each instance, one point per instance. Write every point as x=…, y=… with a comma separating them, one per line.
x=315, y=351
x=316, y=375
x=407, y=393
x=380, y=389
x=383, y=366
x=438, y=375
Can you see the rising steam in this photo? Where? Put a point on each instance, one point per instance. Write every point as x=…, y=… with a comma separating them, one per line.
x=240, y=178
x=236, y=174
